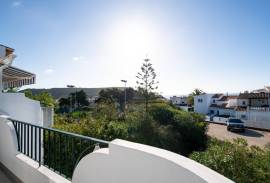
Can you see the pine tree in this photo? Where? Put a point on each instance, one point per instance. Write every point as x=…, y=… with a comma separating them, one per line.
x=147, y=81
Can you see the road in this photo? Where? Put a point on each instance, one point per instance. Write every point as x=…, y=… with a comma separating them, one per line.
x=253, y=137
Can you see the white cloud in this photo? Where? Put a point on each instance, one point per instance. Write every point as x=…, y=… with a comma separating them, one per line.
x=48, y=71
x=16, y=3
x=79, y=59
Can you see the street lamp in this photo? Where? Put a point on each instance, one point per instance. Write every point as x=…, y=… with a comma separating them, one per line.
x=125, y=81
x=72, y=86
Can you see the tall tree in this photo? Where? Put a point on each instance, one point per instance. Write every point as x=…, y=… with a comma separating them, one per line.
x=147, y=81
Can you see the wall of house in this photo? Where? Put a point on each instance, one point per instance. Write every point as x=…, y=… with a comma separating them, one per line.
x=221, y=111
x=257, y=119
x=232, y=103
x=2, y=52
x=24, y=168
x=259, y=102
x=242, y=102
x=220, y=120
x=202, y=103
x=21, y=108
x=127, y=162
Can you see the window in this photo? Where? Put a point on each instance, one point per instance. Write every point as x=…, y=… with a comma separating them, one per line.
x=214, y=101
x=244, y=103
x=200, y=100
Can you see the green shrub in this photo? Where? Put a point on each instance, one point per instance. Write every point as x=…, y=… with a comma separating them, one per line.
x=165, y=127
x=236, y=160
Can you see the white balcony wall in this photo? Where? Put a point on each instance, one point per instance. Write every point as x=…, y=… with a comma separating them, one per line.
x=19, y=107
x=127, y=162
x=24, y=168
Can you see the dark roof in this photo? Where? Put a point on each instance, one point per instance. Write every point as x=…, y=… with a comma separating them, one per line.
x=217, y=95
x=253, y=95
x=225, y=98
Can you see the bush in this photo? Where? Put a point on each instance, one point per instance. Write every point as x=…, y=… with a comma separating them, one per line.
x=165, y=127
x=236, y=160
x=178, y=131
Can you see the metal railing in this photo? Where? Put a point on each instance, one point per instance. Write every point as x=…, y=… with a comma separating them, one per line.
x=258, y=108
x=58, y=150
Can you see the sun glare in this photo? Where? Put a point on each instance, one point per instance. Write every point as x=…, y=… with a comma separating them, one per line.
x=132, y=38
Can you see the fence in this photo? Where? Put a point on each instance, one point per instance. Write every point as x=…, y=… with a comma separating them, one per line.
x=58, y=150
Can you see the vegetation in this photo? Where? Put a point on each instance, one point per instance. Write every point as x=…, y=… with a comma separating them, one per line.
x=236, y=160
x=75, y=101
x=147, y=81
x=157, y=123
x=45, y=99
x=165, y=127
x=112, y=95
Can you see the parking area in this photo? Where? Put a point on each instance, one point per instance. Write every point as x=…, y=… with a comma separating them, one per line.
x=253, y=137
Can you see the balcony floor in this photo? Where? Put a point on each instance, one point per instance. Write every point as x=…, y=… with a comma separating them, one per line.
x=3, y=177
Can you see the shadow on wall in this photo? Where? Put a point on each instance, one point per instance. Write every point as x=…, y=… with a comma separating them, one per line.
x=127, y=162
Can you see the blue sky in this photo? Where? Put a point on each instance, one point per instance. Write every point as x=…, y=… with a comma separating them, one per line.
x=214, y=45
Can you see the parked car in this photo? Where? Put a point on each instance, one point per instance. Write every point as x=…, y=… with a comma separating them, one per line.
x=234, y=124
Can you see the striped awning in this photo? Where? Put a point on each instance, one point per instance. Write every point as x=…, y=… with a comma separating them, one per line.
x=14, y=77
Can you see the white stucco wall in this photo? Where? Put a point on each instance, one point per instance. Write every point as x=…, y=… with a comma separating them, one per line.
x=26, y=169
x=202, y=107
x=232, y=103
x=220, y=120
x=48, y=116
x=242, y=102
x=127, y=162
x=257, y=119
x=222, y=111
x=19, y=107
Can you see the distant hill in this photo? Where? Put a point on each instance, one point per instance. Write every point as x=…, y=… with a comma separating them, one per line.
x=58, y=93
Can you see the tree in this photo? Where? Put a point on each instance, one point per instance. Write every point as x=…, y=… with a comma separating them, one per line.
x=81, y=98
x=196, y=92
x=64, y=105
x=44, y=98
x=147, y=81
x=112, y=95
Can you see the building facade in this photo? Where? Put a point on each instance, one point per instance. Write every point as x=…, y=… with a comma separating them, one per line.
x=252, y=108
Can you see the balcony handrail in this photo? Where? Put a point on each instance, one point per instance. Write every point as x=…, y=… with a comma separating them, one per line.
x=65, y=132
x=56, y=149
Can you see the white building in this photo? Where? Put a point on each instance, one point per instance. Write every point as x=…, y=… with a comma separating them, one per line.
x=25, y=155
x=252, y=108
x=202, y=103
x=181, y=100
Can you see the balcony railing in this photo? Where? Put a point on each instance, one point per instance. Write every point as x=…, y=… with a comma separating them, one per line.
x=58, y=150
x=258, y=108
